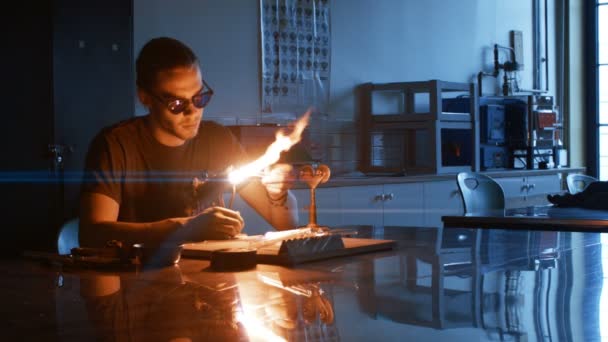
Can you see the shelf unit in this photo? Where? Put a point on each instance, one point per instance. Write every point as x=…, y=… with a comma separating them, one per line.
x=418, y=127
x=531, y=130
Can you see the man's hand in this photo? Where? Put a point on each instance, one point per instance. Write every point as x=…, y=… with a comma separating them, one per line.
x=214, y=223
x=278, y=179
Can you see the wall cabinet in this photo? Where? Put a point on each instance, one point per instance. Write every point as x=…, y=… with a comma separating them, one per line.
x=418, y=127
x=67, y=81
x=93, y=78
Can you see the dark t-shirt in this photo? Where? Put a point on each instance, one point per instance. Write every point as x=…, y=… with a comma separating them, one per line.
x=159, y=309
x=151, y=181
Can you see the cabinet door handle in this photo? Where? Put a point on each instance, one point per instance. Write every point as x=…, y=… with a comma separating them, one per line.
x=389, y=197
x=524, y=188
x=531, y=186
x=378, y=198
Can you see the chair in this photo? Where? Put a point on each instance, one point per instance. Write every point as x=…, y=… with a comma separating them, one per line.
x=578, y=182
x=68, y=236
x=480, y=192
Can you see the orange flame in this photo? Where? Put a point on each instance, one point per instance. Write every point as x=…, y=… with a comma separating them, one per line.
x=273, y=152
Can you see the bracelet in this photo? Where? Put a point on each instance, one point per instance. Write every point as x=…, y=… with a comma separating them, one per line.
x=277, y=202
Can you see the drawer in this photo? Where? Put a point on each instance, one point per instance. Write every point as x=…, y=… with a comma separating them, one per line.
x=538, y=185
x=513, y=187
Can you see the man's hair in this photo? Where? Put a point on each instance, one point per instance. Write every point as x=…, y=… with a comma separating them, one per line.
x=161, y=54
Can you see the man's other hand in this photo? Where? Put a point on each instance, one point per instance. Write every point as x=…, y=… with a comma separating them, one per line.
x=278, y=179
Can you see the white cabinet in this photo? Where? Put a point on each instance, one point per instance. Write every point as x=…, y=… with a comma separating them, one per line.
x=352, y=205
x=412, y=204
x=383, y=205
x=329, y=209
x=362, y=205
x=441, y=198
x=408, y=204
x=543, y=185
x=403, y=204
x=329, y=212
x=529, y=190
x=377, y=205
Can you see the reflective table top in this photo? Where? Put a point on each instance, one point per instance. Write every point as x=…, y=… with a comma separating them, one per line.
x=534, y=217
x=451, y=284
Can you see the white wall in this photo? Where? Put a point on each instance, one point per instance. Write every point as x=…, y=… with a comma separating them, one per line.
x=377, y=41
x=396, y=40
x=224, y=35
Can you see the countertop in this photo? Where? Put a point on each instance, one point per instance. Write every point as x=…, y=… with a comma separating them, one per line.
x=437, y=285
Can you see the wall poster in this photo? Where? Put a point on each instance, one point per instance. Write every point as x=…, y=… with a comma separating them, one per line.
x=295, y=55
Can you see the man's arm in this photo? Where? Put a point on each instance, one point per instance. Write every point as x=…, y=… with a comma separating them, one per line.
x=98, y=224
x=99, y=215
x=281, y=216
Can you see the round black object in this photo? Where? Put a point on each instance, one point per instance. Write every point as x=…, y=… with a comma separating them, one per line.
x=157, y=256
x=233, y=259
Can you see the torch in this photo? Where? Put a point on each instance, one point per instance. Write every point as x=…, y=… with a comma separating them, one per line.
x=283, y=142
x=211, y=187
x=214, y=185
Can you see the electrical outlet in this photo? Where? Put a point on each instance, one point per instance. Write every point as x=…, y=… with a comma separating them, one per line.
x=517, y=44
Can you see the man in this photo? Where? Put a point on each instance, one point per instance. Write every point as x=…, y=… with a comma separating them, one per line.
x=144, y=174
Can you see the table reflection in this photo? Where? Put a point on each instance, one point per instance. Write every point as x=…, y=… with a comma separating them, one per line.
x=496, y=281
x=480, y=285
x=169, y=305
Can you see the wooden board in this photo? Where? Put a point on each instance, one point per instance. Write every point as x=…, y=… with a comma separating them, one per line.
x=270, y=254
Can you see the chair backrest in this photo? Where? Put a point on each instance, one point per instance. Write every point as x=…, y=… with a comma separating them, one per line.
x=577, y=182
x=480, y=192
x=68, y=236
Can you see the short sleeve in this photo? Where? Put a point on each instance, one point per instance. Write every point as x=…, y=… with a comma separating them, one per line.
x=104, y=167
x=225, y=148
x=237, y=149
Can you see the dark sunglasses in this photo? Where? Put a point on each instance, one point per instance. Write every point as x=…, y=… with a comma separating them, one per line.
x=177, y=105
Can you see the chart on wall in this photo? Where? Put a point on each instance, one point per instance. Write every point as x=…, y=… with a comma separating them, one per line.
x=295, y=55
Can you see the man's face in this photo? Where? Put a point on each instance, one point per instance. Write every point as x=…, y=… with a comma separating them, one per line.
x=179, y=83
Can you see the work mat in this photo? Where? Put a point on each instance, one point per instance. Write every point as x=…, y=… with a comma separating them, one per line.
x=273, y=254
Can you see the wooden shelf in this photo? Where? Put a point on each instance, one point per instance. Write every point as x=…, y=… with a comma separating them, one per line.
x=406, y=127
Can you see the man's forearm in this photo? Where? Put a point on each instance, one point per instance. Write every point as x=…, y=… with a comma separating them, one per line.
x=281, y=215
x=97, y=234
x=284, y=216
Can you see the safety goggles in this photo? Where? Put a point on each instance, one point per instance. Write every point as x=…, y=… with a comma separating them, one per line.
x=179, y=105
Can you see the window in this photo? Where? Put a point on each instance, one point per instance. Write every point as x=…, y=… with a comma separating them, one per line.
x=602, y=72
x=596, y=98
